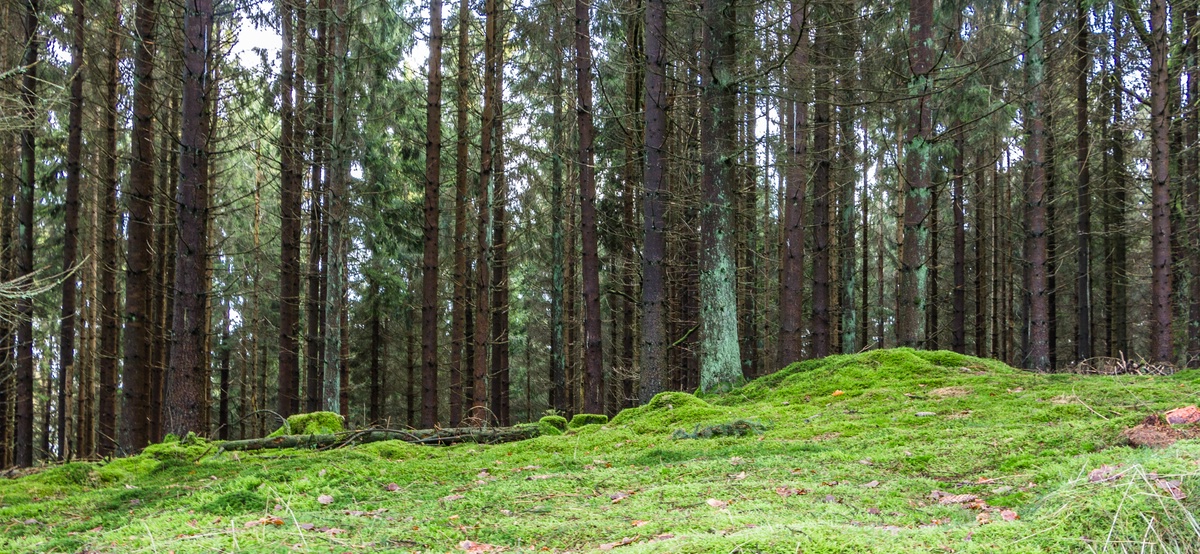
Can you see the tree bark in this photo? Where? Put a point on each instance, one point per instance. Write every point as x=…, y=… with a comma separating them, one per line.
x=316, y=250
x=23, y=443
x=558, y=347
x=823, y=132
x=1083, y=194
x=110, y=331
x=796, y=142
x=654, y=337
x=1035, y=194
x=458, y=328
x=481, y=322
x=593, y=387
x=290, y=177
x=339, y=174
x=1160, y=196
x=1192, y=185
x=918, y=183
x=140, y=198
x=499, y=376
x=958, y=320
x=66, y=351
x=429, y=259
x=719, y=357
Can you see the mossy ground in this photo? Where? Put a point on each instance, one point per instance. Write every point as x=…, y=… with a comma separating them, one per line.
x=847, y=472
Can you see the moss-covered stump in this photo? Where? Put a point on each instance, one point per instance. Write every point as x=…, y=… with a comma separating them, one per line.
x=313, y=423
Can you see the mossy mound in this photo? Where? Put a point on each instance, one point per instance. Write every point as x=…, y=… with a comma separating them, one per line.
x=314, y=423
x=552, y=425
x=736, y=428
x=668, y=410
x=587, y=419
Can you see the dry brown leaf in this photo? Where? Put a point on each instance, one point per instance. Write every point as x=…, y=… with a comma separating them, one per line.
x=639, y=522
x=1103, y=473
x=452, y=498
x=1171, y=487
x=716, y=503
x=472, y=546
x=837, y=393
x=325, y=499
x=1009, y=515
x=871, y=485
x=392, y=487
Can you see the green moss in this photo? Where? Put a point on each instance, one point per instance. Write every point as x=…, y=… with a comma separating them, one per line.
x=736, y=428
x=587, y=419
x=314, y=423
x=552, y=425
x=391, y=450
x=236, y=502
x=851, y=471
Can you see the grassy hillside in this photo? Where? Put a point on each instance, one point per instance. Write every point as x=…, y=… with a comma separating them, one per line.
x=888, y=451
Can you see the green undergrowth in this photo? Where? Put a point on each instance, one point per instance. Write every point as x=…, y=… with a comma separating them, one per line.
x=862, y=453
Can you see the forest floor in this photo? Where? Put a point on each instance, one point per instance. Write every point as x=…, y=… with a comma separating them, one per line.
x=886, y=451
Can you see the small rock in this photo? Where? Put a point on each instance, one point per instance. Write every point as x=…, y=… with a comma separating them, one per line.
x=926, y=414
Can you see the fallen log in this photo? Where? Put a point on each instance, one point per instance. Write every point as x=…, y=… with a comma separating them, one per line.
x=443, y=437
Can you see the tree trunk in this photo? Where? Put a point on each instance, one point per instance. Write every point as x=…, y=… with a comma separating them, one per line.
x=339, y=174
x=1192, y=186
x=374, y=415
x=66, y=349
x=224, y=385
x=593, y=388
x=558, y=357
x=482, y=278
x=1035, y=194
x=1160, y=197
x=186, y=385
x=110, y=330
x=290, y=177
x=796, y=142
x=316, y=250
x=23, y=445
x=917, y=179
x=719, y=358
x=958, y=320
x=654, y=338
x=433, y=184
x=140, y=198
x=500, y=344
x=822, y=177
x=458, y=328
x=847, y=150
x=1083, y=194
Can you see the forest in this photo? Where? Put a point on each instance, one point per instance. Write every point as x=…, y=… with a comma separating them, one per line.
x=216, y=213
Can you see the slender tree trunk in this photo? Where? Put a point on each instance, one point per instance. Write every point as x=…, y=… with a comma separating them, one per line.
x=138, y=278
x=847, y=151
x=23, y=445
x=410, y=369
x=186, y=384
x=958, y=320
x=433, y=184
x=796, y=143
x=339, y=174
x=458, y=328
x=500, y=322
x=823, y=132
x=634, y=80
x=482, y=278
x=374, y=415
x=290, y=177
x=66, y=349
x=110, y=331
x=1160, y=197
x=719, y=358
x=1083, y=194
x=223, y=391
x=1052, y=261
x=918, y=185
x=1192, y=185
x=654, y=337
x=979, y=205
x=593, y=388
x=316, y=272
x=558, y=357
x=1035, y=194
